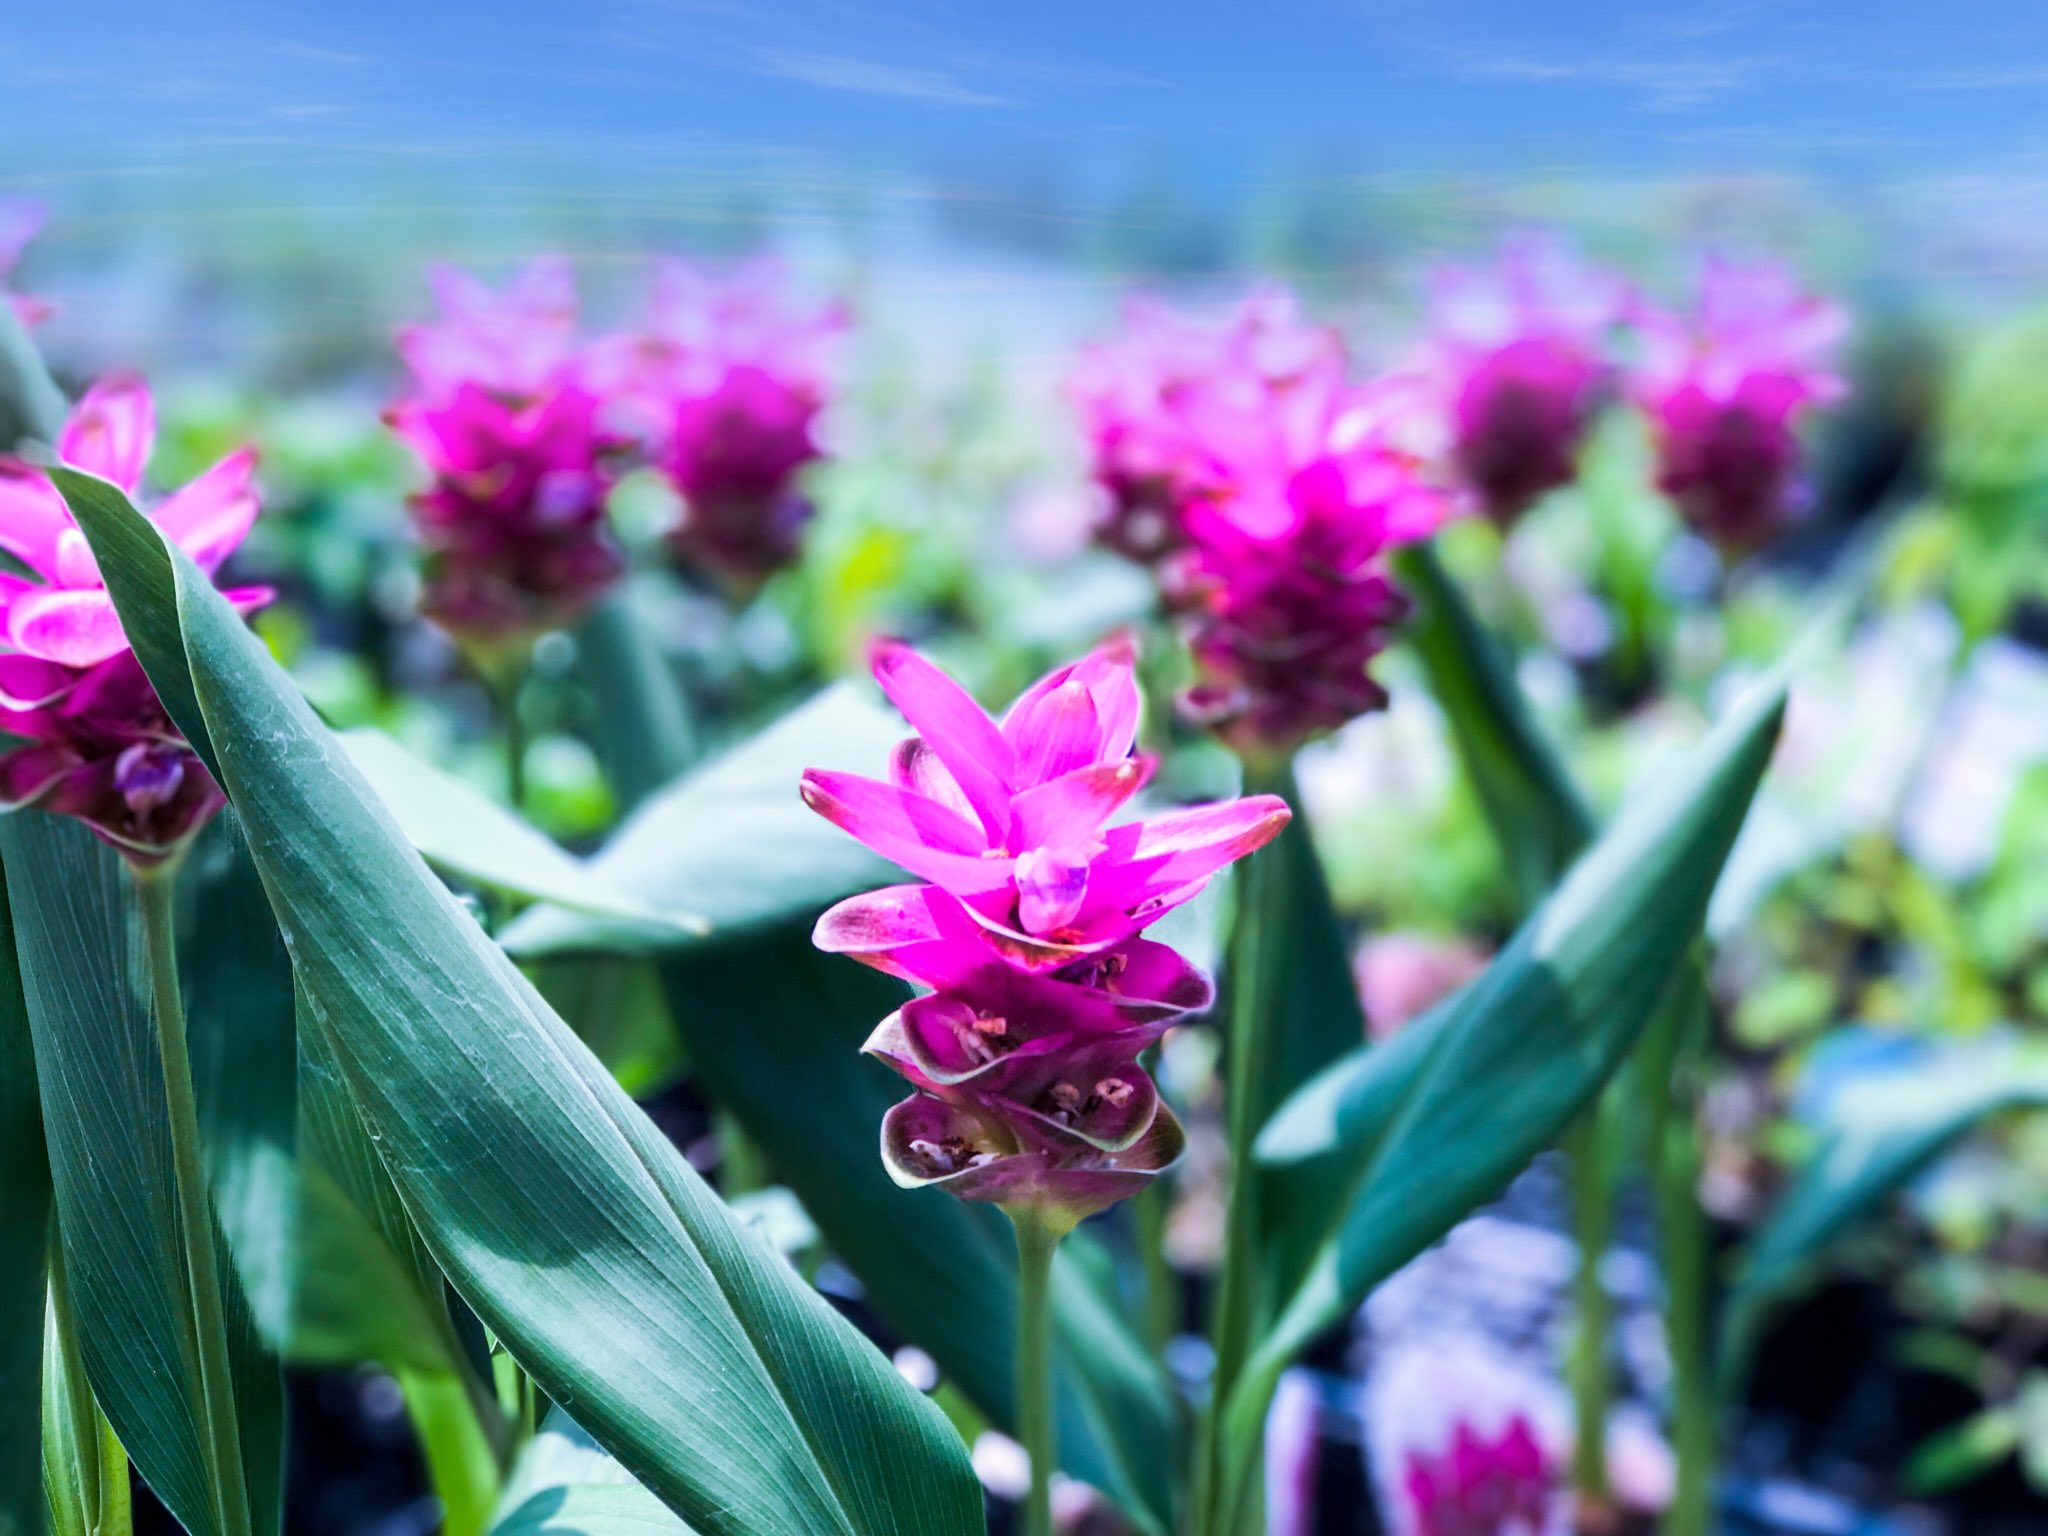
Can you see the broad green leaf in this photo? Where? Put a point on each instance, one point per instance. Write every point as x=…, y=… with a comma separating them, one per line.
x=572, y=1228
x=640, y=725
x=464, y=833
x=565, y=1485
x=1879, y=1136
x=243, y=1038
x=774, y=1029
x=616, y=1005
x=107, y=1128
x=1394, y=1144
x=1535, y=811
x=1963, y=1451
x=24, y=1241
x=733, y=842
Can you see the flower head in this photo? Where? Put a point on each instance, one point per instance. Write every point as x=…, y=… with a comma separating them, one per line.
x=1727, y=389
x=1518, y=359
x=101, y=746
x=724, y=385
x=505, y=417
x=20, y=221
x=1174, y=404
x=1028, y=931
x=1483, y=1484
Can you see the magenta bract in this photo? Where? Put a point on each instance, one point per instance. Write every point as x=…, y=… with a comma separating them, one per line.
x=723, y=387
x=504, y=414
x=1024, y=1056
x=1727, y=389
x=102, y=748
x=1483, y=1485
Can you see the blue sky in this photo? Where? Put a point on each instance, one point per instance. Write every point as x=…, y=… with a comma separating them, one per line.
x=1398, y=85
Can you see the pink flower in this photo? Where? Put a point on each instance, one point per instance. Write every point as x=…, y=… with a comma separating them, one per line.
x=1727, y=389
x=1283, y=580
x=1518, y=357
x=1402, y=975
x=1483, y=1485
x=505, y=417
x=1172, y=405
x=1024, y=1056
x=20, y=221
x=103, y=748
x=724, y=386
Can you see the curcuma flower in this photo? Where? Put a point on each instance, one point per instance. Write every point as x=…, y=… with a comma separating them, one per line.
x=1518, y=360
x=21, y=219
x=503, y=413
x=100, y=746
x=724, y=387
x=1028, y=931
x=1482, y=1484
x=1727, y=389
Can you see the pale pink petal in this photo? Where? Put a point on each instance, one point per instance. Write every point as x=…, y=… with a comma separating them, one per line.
x=73, y=628
x=1057, y=734
x=1051, y=889
x=1109, y=674
x=1070, y=810
x=921, y=835
x=32, y=518
x=110, y=431
x=955, y=727
x=1183, y=847
x=210, y=517
x=916, y=767
x=889, y=918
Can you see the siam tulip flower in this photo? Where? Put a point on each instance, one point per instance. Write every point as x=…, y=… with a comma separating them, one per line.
x=100, y=745
x=505, y=416
x=1028, y=930
x=20, y=221
x=1727, y=389
x=1163, y=403
x=1501, y=1484
x=1284, y=578
x=724, y=387
x=1518, y=359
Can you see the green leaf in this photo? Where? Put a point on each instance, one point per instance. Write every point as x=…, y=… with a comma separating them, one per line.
x=1956, y=1455
x=733, y=842
x=85, y=1471
x=31, y=404
x=24, y=1242
x=569, y=1224
x=466, y=834
x=565, y=1485
x=1389, y=1148
x=640, y=726
x=774, y=1029
x=106, y=1124
x=1880, y=1135
x=1535, y=811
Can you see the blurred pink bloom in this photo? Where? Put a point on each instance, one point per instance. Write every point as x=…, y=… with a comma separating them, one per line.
x=1402, y=975
x=724, y=386
x=1484, y=1484
x=1727, y=388
x=21, y=219
x=1294, y=1453
x=1518, y=358
x=1283, y=579
x=103, y=748
x=504, y=415
x=1024, y=1056
x=1172, y=405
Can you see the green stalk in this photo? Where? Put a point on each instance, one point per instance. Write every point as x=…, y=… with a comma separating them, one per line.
x=85, y=1470
x=461, y=1465
x=508, y=691
x=1683, y=1238
x=1591, y=1379
x=220, y=1435
x=1038, y=1238
x=1150, y=1209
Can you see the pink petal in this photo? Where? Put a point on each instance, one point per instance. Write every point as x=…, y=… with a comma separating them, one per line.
x=29, y=683
x=1058, y=733
x=248, y=599
x=1109, y=673
x=955, y=727
x=110, y=431
x=73, y=628
x=877, y=920
x=907, y=829
x=1069, y=811
x=29, y=773
x=33, y=518
x=1184, y=847
x=914, y=766
x=212, y=515
x=1051, y=888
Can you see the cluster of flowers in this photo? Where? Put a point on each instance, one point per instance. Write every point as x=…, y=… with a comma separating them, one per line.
x=1265, y=487
x=1028, y=931
x=1266, y=490
x=524, y=425
x=99, y=745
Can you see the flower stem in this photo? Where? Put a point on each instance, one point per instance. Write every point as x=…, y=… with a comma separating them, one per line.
x=514, y=725
x=1682, y=1229
x=85, y=1470
x=1038, y=1238
x=1591, y=1381
x=220, y=1435
x=1162, y=1291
